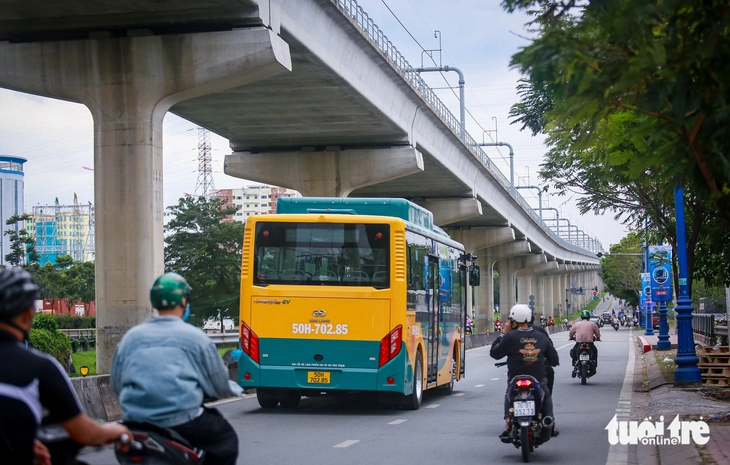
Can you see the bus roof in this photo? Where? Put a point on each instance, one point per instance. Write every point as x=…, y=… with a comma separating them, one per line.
x=398, y=208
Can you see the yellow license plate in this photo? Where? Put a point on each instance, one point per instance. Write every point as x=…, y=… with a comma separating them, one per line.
x=318, y=377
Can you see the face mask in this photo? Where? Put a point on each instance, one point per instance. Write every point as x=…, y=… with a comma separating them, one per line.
x=187, y=313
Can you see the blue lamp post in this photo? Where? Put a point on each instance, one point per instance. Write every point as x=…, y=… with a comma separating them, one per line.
x=687, y=371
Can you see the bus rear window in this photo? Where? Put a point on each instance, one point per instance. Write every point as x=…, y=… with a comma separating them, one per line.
x=316, y=254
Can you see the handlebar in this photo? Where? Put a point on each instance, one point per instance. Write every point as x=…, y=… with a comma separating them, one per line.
x=125, y=443
x=500, y=364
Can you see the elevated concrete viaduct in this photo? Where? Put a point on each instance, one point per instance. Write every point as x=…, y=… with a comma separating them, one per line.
x=311, y=96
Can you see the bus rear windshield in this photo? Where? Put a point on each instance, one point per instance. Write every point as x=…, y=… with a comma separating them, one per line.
x=331, y=254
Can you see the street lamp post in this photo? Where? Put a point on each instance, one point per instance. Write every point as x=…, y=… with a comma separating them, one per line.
x=687, y=371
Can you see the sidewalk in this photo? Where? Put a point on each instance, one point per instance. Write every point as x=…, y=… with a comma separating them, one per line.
x=711, y=404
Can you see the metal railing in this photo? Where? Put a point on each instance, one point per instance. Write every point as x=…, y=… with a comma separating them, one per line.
x=79, y=333
x=224, y=338
x=372, y=32
x=705, y=327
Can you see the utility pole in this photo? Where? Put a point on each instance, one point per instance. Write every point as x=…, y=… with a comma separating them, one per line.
x=204, y=183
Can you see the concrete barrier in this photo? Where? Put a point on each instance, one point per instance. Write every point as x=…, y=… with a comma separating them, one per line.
x=97, y=397
x=646, y=347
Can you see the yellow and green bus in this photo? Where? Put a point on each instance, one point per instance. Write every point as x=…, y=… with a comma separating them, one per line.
x=353, y=294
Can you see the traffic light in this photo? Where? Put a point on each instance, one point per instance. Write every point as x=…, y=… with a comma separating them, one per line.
x=580, y=290
x=532, y=302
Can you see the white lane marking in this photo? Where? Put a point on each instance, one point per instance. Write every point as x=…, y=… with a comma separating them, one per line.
x=433, y=405
x=229, y=400
x=565, y=345
x=618, y=454
x=459, y=394
x=397, y=422
x=347, y=443
x=494, y=379
x=478, y=385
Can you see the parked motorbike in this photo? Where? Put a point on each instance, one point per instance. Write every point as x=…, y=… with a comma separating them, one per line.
x=585, y=365
x=155, y=445
x=528, y=427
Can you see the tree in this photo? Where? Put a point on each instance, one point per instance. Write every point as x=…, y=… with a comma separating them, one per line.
x=633, y=97
x=22, y=245
x=67, y=279
x=622, y=273
x=206, y=250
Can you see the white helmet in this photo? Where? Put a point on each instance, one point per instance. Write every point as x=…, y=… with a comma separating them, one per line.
x=521, y=313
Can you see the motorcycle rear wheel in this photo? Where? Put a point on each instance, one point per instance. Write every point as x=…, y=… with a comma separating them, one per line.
x=525, y=440
x=583, y=374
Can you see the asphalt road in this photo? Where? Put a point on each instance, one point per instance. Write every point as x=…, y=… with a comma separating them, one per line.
x=462, y=427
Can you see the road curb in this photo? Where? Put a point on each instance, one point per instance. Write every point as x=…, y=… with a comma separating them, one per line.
x=646, y=347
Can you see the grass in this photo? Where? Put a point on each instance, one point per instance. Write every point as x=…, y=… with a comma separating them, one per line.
x=87, y=358
x=666, y=368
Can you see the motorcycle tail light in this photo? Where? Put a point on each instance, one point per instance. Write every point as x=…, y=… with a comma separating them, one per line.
x=584, y=346
x=523, y=383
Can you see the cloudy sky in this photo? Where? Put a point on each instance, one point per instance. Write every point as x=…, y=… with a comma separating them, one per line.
x=476, y=36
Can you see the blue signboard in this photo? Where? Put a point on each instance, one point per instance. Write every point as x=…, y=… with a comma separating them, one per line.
x=660, y=269
x=645, y=293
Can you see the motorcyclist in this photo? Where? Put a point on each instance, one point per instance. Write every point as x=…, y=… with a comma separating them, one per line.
x=164, y=368
x=31, y=382
x=498, y=325
x=584, y=331
x=527, y=351
x=551, y=322
x=468, y=325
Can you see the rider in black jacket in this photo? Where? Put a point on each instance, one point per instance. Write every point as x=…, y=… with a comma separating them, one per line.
x=527, y=351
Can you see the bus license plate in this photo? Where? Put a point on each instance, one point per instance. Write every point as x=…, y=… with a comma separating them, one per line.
x=525, y=409
x=585, y=357
x=318, y=377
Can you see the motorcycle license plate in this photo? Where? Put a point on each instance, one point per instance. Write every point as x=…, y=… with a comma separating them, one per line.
x=524, y=409
x=585, y=357
x=318, y=377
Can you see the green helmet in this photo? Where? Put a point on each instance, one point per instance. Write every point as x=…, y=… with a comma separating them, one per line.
x=169, y=290
x=585, y=315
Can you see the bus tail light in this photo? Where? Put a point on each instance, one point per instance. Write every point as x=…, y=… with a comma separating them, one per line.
x=249, y=342
x=390, y=345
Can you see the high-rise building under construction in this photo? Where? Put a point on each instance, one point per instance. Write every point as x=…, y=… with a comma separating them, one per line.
x=63, y=230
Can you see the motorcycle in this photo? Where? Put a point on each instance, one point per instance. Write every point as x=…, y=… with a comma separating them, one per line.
x=615, y=325
x=155, y=445
x=585, y=365
x=62, y=448
x=528, y=427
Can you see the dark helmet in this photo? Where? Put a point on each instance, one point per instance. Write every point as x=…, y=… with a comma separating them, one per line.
x=18, y=291
x=169, y=290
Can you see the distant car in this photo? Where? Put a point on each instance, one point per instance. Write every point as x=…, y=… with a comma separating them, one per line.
x=214, y=324
x=596, y=320
x=606, y=317
x=655, y=320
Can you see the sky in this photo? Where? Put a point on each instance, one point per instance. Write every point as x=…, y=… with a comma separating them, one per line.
x=476, y=36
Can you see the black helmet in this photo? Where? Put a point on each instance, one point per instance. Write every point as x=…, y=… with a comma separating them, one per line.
x=18, y=291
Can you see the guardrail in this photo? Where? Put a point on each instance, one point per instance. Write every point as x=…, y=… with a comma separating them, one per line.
x=389, y=51
x=224, y=338
x=79, y=333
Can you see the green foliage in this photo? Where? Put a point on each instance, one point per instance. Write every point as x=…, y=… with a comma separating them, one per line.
x=633, y=97
x=54, y=343
x=714, y=297
x=622, y=273
x=74, y=345
x=67, y=279
x=45, y=321
x=75, y=322
x=22, y=245
x=206, y=251
x=84, y=341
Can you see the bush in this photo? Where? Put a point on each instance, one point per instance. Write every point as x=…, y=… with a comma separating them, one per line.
x=74, y=345
x=45, y=321
x=75, y=322
x=54, y=343
x=84, y=343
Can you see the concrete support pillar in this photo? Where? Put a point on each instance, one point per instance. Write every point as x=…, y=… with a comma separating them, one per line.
x=507, y=283
x=558, y=294
x=538, y=285
x=129, y=84
x=485, y=244
x=548, y=294
x=484, y=296
x=449, y=211
x=331, y=173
